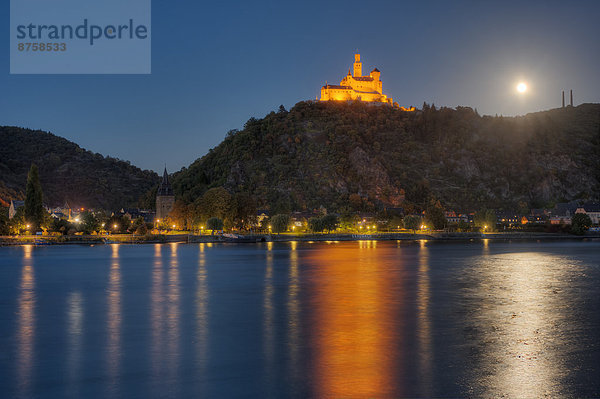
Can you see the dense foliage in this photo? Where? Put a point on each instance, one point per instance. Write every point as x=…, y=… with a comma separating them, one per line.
x=68, y=172
x=280, y=223
x=368, y=157
x=580, y=223
x=34, y=206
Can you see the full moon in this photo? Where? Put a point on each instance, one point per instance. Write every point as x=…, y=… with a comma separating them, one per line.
x=521, y=87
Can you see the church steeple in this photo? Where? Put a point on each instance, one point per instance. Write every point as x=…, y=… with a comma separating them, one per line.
x=165, y=186
x=165, y=199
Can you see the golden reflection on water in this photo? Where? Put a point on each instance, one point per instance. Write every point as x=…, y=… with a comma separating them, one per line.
x=75, y=336
x=26, y=324
x=173, y=315
x=293, y=309
x=519, y=313
x=202, y=310
x=157, y=315
x=425, y=360
x=268, y=317
x=114, y=321
x=355, y=301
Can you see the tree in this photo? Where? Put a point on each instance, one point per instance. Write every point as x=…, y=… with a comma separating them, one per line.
x=139, y=226
x=315, y=224
x=330, y=222
x=34, y=207
x=243, y=210
x=412, y=222
x=141, y=229
x=60, y=226
x=216, y=202
x=580, y=223
x=89, y=222
x=463, y=226
x=17, y=223
x=435, y=217
x=214, y=224
x=180, y=215
x=4, y=227
x=280, y=223
x=485, y=219
x=349, y=220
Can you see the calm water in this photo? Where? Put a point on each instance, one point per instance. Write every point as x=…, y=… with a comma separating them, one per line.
x=360, y=319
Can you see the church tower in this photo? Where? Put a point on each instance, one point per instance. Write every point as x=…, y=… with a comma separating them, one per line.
x=164, y=197
x=357, y=66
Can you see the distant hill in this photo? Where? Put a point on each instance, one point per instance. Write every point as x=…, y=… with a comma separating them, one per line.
x=322, y=153
x=68, y=172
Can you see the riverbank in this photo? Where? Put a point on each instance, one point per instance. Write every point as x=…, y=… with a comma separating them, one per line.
x=192, y=238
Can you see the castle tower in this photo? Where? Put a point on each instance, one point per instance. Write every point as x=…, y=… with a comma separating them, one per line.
x=164, y=197
x=357, y=66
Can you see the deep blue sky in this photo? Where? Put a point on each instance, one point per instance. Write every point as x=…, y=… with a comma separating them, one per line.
x=216, y=64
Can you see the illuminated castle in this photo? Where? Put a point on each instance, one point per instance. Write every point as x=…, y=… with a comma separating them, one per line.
x=358, y=87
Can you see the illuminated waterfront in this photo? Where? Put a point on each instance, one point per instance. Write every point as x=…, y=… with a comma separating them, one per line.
x=351, y=319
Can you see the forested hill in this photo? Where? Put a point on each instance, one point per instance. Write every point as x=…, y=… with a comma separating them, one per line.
x=68, y=172
x=335, y=154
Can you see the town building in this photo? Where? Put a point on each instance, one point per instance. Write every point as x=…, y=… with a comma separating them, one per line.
x=356, y=87
x=12, y=209
x=592, y=210
x=563, y=212
x=165, y=199
x=134, y=213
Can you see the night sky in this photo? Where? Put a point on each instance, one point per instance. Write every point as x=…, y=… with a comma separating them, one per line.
x=216, y=64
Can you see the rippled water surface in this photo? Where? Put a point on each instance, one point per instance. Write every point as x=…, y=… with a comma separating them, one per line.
x=355, y=319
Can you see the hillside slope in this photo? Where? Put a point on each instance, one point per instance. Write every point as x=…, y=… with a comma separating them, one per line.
x=322, y=153
x=68, y=172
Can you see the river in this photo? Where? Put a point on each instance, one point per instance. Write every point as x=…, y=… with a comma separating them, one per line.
x=360, y=319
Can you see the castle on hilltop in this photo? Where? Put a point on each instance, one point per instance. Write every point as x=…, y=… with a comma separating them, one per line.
x=358, y=87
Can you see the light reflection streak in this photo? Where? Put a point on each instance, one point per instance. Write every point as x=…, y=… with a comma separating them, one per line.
x=293, y=308
x=173, y=355
x=522, y=318
x=114, y=322
x=354, y=304
x=202, y=310
x=75, y=335
x=157, y=315
x=424, y=322
x=268, y=319
x=26, y=324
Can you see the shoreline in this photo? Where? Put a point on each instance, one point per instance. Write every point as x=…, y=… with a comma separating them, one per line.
x=194, y=239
